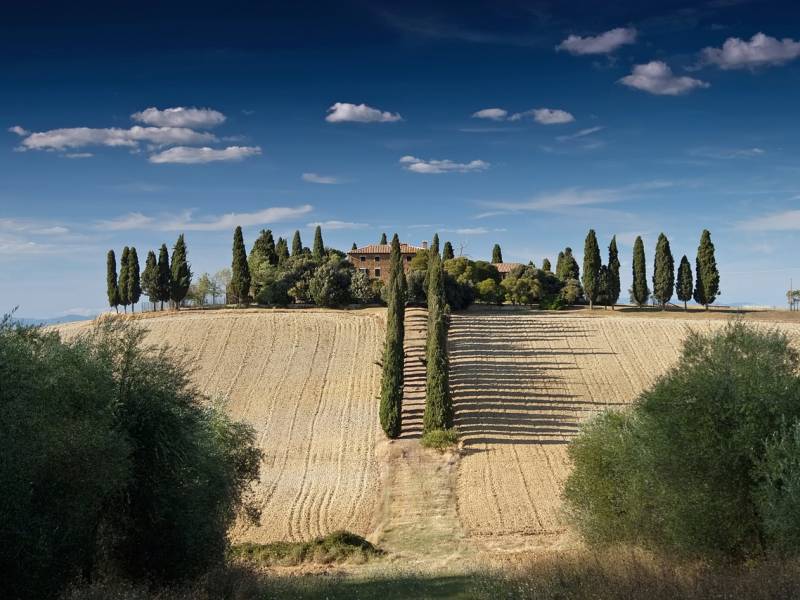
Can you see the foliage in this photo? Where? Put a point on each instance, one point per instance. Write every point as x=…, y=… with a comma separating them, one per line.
x=567, y=266
x=329, y=286
x=546, y=265
x=571, y=292
x=417, y=285
x=297, y=244
x=282, y=250
x=222, y=280
x=111, y=459
x=122, y=284
x=684, y=471
x=200, y=290
x=134, y=280
x=706, y=287
x=552, y=303
x=180, y=274
x=471, y=272
x=522, y=286
x=639, y=291
x=361, y=289
x=265, y=246
x=683, y=283
x=447, y=251
x=164, y=275
x=440, y=439
x=112, y=291
x=489, y=291
x=240, y=270
x=438, y=412
x=150, y=278
x=497, y=254
x=435, y=244
x=663, y=272
x=391, y=397
x=591, y=268
x=318, y=251
x=419, y=262
x=613, y=286
x=383, y=239
x=336, y=547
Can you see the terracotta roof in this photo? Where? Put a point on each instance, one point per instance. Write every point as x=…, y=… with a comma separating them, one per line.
x=385, y=249
x=507, y=267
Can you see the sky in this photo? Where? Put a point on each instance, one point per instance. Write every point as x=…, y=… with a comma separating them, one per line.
x=510, y=122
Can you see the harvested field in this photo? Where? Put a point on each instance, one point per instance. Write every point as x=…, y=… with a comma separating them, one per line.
x=307, y=382
x=522, y=383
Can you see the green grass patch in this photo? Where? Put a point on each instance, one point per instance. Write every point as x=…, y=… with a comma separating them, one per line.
x=337, y=547
x=440, y=439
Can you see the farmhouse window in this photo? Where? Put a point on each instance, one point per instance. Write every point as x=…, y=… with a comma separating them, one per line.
x=363, y=259
x=377, y=272
x=377, y=259
x=365, y=271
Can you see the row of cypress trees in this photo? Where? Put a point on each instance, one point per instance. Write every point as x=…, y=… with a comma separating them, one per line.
x=438, y=412
x=601, y=283
x=162, y=280
x=704, y=289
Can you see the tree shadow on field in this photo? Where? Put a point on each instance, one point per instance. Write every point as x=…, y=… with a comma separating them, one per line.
x=506, y=390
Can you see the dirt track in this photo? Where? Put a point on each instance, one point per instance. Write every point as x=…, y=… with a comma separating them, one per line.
x=307, y=381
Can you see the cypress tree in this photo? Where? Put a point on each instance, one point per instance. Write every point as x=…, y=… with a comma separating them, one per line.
x=318, y=251
x=706, y=287
x=122, y=285
x=497, y=254
x=560, y=266
x=391, y=399
x=297, y=244
x=447, y=252
x=546, y=267
x=438, y=412
x=383, y=240
x=111, y=280
x=613, y=285
x=150, y=278
x=353, y=247
x=640, y=293
x=164, y=276
x=591, y=267
x=435, y=243
x=240, y=270
x=180, y=274
x=663, y=272
x=282, y=250
x=568, y=268
x=683, y=284
x=134, y=283
x=265, y=245
x=603, y=297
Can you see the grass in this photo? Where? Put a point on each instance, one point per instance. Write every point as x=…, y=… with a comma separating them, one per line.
x=440, y=439
x=337, y=547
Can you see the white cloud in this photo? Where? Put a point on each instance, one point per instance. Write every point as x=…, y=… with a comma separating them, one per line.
x=761, y=51
x=705, y=152
x=186, y=221
x=18, y=130
x=788, y=220
x=342, y=112
x=494, y=114
x=657, y=78
x=338, y=225
x=435, y=167
x=78, y=137
x=190, y=156
x=78, y=155
x=323, y=179
x=55, y=230
x=472, y=230
x=599, y=44
x=32, y=226
x=180, y=116
x=545, y=116
x=580, y=134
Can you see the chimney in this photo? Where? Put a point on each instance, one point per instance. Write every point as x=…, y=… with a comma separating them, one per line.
x=424, y=245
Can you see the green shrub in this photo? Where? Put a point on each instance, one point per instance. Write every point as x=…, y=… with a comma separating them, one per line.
x=440, y=439
x=337, y=547
x=552, y=303
x=329, y=286
x=683, y=473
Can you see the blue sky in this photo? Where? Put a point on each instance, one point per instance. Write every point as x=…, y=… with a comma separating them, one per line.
x=522, y=123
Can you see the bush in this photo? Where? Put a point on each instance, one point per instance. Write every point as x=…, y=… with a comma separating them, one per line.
x=337, y=547
x=489, y=291
x=684, y=471
x=552, y=303
x=417, y=287
x=329, y=286
x=440, y=439
x=111, y=459
x=361, y=289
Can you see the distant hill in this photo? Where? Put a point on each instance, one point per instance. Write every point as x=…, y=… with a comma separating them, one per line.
x=51, y=320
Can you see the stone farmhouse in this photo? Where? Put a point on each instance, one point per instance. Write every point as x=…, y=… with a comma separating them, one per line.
x=374, y=259
x=505, y=268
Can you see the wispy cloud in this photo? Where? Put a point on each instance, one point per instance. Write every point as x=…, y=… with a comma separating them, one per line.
x=545, y=116
x=761, y=51
x=338, y=225
x=191, y=156
x=657, y=78
x=473, y=230
x=79, y=137
x=788, y=220
x=493, y=114
x=343, y=112
x=180, y=116
x=322, y=179
x=134, y=220
x=580, y=134
x=599, y=44
x=188, y=221
x=436, y=167
x=718, y=153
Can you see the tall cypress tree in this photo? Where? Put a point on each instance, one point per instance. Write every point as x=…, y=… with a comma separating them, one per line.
x=318, y=252
x=134, y=283
x=497, y=254
x=282, y=250
x=560, y=266
x=683, y=284
x=546, y=266
x=150, y=278
x=240, y=270
x=639, y=291
x=447, y=252
x=391, y=399
x=603, y=277
x=354, y=246
x=706, y=287
x=663, y=272
x=122, y=285
x=613, y=283
x=382, y=241
x=180, y=273
x=567, y=266
x=435, y=243
x=591, y=267
x=438, y=412
x=297, y=244
x=111, y=280
x=265, y=246
x=164, y=275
